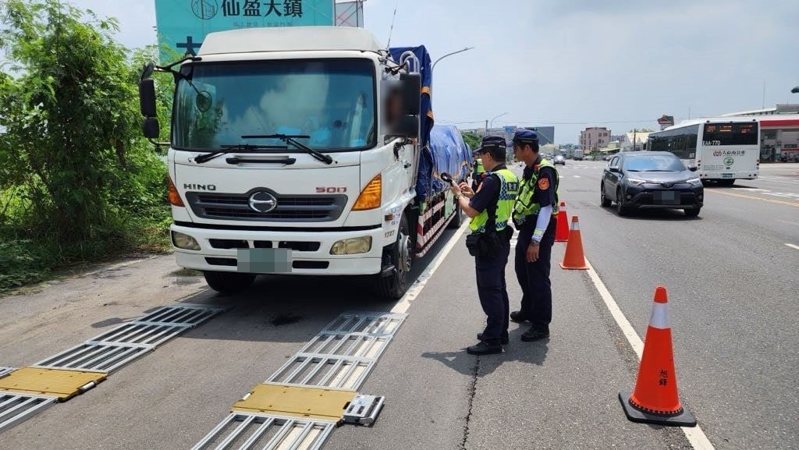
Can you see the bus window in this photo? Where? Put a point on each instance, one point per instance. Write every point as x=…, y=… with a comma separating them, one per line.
x=730, y=134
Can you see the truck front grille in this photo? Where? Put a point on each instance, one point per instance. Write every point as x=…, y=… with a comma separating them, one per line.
x=290, y=208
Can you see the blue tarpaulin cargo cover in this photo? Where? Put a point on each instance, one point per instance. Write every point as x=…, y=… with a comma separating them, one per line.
x=450, y=154
x=442, y=150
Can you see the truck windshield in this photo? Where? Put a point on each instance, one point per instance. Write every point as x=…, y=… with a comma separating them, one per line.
x=331, y=101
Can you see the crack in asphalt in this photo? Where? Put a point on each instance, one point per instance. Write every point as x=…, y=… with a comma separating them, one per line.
x=472, y=393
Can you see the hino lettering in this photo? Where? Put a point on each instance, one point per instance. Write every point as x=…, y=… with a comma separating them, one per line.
x=199, y=187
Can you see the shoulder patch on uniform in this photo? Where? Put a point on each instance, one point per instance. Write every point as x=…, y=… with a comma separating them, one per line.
x=543, y=183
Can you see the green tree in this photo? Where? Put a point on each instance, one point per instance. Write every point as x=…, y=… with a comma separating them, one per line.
x=471, y=139
x=70, y=116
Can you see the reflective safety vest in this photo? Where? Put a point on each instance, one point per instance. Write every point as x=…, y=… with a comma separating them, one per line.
x=525, y=205
x=509, y=188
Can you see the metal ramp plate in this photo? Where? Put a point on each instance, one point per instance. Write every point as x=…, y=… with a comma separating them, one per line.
x=15, y=408
x=121, y=345
x=338, y=359
x=81, y=367
x=258, y=431
x=61, y=384
x=312, y=403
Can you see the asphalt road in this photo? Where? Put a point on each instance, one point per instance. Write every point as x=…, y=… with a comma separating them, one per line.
x=732, y=284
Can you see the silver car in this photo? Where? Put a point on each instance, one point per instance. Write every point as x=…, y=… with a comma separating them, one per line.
x=559, y=160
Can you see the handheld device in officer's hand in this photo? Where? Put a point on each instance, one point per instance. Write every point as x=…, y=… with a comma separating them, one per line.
x=447, y=178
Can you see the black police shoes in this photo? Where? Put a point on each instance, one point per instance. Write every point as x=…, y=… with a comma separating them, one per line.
x=535, y=334
x=516, y=316
x=504, y=339
x=482, y=348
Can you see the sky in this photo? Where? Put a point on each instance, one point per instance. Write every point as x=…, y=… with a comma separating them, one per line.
x=577, y=63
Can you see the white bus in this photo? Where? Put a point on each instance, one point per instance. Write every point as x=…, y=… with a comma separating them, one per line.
x=722, y=150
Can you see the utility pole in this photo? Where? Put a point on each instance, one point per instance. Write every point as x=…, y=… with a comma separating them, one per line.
x=485, y=133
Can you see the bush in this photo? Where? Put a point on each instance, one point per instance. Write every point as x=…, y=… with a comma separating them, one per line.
x=77, y=181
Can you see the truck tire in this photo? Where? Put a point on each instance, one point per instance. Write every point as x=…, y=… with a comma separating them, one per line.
x=228, y=282
x=393, y=286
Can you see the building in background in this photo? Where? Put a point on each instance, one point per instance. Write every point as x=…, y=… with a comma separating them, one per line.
x=594, y=138
x=634, y=140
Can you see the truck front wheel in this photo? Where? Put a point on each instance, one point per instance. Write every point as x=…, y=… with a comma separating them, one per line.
x=229, y=282
x=400, y=256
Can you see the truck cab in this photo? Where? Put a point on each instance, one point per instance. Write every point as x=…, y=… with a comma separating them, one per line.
x=293, y=151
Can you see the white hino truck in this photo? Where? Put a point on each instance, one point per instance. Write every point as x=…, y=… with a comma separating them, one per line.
x=304, y=151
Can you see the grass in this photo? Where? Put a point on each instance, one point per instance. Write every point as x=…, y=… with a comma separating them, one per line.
x=26, y=258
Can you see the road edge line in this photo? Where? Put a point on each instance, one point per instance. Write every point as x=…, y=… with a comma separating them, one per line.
x=795, y=247
x=696, y=437
x=405, y=302
x=751, y=197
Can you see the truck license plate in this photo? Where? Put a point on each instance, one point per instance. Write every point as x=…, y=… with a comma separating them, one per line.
x=726, y=175
x=264, y=260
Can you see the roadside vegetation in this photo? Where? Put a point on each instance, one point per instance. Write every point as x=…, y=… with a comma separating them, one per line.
x=77, y=182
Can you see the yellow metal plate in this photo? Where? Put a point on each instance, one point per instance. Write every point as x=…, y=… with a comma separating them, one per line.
x=59, y=383
x=294, y=401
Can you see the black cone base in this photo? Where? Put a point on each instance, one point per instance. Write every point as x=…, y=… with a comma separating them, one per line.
x=683, y=420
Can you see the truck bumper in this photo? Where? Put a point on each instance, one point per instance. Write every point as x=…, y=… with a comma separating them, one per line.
x=310, y=250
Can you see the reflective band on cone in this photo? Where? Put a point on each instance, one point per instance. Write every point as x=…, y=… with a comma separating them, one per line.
x=655, y=398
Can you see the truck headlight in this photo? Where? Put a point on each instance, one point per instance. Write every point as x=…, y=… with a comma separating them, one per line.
x=184, y=241
x=352, y=246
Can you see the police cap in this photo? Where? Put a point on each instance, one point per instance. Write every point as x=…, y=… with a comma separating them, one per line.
x=494, y=145
x=522, y=137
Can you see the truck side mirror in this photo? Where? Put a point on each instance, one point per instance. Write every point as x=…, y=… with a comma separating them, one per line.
x=150, y=128
x=147, y=98
x=411, y=93
x=408, y=126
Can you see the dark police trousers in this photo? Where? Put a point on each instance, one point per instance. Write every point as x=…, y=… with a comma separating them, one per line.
x=493, y=292
x=534, y=277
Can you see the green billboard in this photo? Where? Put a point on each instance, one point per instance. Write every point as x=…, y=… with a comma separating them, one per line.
x=183, y=24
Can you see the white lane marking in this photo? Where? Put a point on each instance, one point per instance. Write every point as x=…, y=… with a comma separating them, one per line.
x=796, y=247
x=696, y=437
x=406, y=300
x=576, y=176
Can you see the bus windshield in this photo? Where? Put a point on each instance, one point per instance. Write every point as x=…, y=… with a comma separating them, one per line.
x=730, y=134
x=331, y=101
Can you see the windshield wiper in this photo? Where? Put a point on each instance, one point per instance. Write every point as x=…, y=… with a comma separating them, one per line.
x=235, y=148
x=292, y=139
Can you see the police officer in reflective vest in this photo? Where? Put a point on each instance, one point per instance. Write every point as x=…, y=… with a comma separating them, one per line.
x=489, y=242
x=534, y=214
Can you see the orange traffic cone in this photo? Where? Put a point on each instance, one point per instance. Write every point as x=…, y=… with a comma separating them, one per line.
x=562, y=230
x=574, y=258
x=655, y=398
